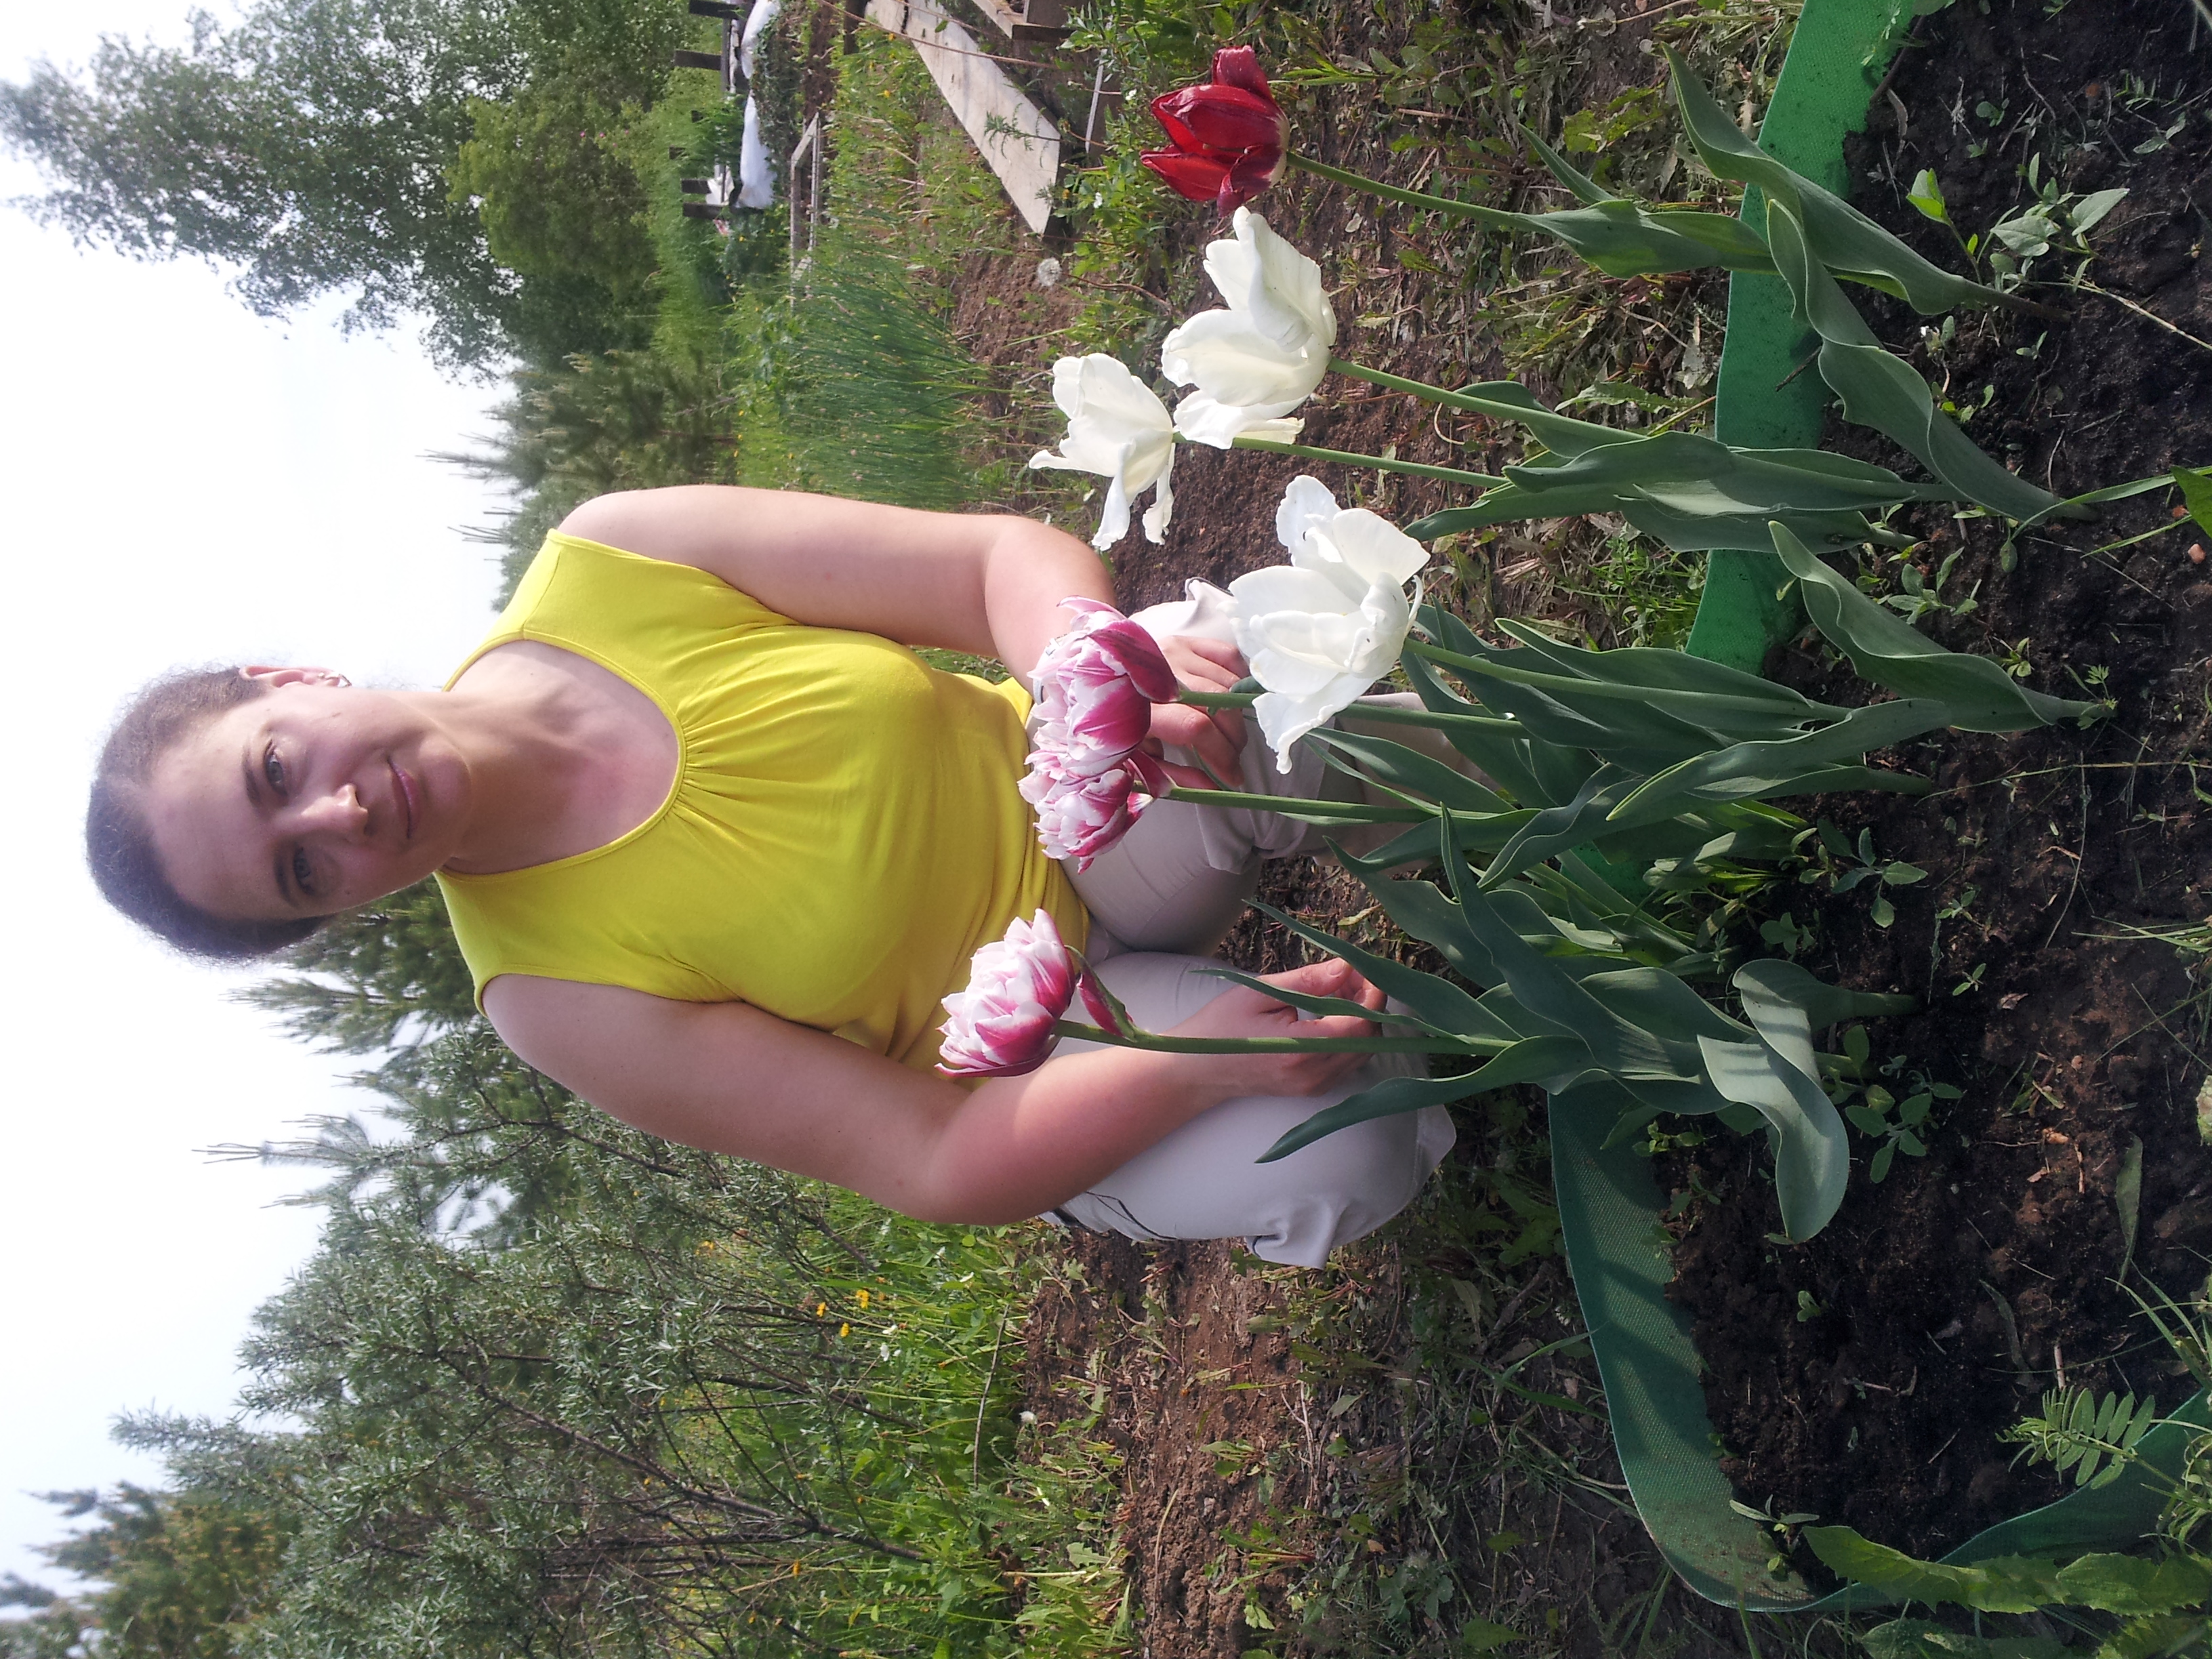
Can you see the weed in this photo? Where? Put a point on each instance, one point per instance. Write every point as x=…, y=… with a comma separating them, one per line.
x=1831, y=856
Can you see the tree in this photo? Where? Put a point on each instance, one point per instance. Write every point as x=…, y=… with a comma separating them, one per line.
x=384, y=976
x=551, y=177
x=308, y=147
x=621, y=419
x=179, y=1576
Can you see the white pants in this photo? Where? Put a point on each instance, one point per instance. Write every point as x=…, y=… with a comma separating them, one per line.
x=1161, y=899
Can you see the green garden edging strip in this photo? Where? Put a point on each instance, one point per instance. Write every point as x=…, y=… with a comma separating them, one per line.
x=1609, y=1203
x=1766, y=397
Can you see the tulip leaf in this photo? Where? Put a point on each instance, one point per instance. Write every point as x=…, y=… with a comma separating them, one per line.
x=1815, y=236
x=1557, y=829
x=1776, y=981
x=1623, y=238
x=1544, y=990
x=1978, y=695
x=1811, y=1159
x=1844, y=240
x=1532, y=1060
x=1586, y=189
x=1762, y=768
x=1882, y=390
x=1405, y=768
x=1669, y=671
x=1658, y=1002
x=1416, y=845
x=1691, y=491
x=1423, y=910
x=1504, y=759
x=1429, y=1000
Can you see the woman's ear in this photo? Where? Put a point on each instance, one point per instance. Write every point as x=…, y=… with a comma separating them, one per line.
x=272, y=678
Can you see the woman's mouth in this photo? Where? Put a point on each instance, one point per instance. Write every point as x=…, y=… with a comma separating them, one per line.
x=410, y=809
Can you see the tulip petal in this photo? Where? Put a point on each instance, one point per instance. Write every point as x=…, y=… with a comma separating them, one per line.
x=1113, y=516
x=1239, y=66
x=1161, y=512
x=1375, y=549
x=1199, y=178
x=1223, y=353
x=1227, y=120
x=1201, y=420
x=1283, y=587
x=1306, y=502
x=1167, y=110
x=1286, y=298
x=1249, y=175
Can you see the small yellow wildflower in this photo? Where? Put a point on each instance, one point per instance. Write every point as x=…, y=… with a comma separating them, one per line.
x=820, y=1308
x=861, y=1297
x=844, y=1330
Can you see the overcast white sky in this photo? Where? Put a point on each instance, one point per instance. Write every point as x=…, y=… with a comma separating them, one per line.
x=182, y=482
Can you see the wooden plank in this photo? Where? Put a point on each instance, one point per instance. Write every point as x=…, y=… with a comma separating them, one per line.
x=1016, y=138
x=1031, y=22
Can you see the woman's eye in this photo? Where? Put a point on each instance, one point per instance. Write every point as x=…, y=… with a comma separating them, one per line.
x=273, y=769
x=303, y=873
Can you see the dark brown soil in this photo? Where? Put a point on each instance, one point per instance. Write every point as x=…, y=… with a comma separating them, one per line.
x=1945, y=1300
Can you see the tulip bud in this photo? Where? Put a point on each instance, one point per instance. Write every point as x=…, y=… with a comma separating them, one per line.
x=1096, y=685
x=1231, y=137
x=1118, y=429
x=1320, y=629
x=1017, y=988
x=1079, y=817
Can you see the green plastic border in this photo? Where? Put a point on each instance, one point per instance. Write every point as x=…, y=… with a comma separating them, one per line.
x=1609, y=1203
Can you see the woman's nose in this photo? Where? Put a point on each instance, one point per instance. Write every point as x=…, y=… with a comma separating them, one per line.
x=338, y=812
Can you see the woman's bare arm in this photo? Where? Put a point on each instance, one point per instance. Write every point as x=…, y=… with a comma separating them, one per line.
x=727, y=1077
x=989, y=584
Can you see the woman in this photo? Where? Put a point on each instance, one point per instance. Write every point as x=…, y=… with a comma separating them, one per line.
x=715, y=848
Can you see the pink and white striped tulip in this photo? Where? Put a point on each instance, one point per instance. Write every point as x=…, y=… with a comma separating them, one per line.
x=1079, y=816
x=1017, y=988
x=1096, y=685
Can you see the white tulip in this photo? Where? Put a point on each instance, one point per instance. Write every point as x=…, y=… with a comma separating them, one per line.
x=1261, y=358
x=1118, y=429
x=1320, y=630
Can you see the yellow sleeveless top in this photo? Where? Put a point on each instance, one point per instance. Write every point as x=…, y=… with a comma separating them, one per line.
x=843, y=833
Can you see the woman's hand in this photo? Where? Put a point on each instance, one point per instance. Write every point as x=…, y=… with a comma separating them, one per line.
x=1216, y=735
x=1240, y=1012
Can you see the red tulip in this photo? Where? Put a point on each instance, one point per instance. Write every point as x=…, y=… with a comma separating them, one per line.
x=1229, y=135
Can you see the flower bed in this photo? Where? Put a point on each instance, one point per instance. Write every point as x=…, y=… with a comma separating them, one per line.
x=1866, y=1376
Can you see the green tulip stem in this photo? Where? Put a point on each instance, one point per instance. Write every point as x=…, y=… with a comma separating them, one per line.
x=1382, y=714
x=1411, y=197
x=1235, y=800
x=1376, y=462
x=1435, y=394
x=1694, y=705
x=1217, y=699
x=1171, y=1045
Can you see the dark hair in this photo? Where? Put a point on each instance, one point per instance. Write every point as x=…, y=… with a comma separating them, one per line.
x=119, y=842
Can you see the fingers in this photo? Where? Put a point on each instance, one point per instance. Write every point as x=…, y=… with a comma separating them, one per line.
x=1215, y=661
x=1189, y=728
x=1333, y=978
x=1210, y=666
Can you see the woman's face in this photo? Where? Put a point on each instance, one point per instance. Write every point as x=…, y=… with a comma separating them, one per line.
x=313, y=798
